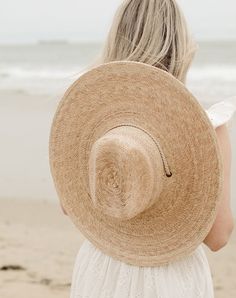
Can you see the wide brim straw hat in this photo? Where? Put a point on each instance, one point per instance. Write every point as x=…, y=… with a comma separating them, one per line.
x=136, y=163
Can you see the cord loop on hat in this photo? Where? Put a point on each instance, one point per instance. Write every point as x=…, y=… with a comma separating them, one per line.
x=165, y=164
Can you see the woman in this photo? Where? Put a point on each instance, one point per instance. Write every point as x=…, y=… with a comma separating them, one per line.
x=154, y=32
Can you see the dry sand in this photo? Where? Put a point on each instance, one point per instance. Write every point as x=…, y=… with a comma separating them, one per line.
x=38, y=246
x=36, y=237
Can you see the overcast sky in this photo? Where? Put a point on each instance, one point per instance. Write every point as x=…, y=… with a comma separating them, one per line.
x=89, y=20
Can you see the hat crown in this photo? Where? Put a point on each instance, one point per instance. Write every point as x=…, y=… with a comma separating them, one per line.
x=125, y=172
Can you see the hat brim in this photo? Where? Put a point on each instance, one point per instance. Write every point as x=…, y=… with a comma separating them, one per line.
x=133, y=92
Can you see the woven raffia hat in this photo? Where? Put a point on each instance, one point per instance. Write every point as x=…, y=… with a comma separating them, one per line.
x=136, y=163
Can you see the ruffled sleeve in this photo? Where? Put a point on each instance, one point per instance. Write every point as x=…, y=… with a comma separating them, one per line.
x=222, y=112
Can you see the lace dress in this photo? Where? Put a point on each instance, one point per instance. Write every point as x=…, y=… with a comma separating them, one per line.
x=97, y=275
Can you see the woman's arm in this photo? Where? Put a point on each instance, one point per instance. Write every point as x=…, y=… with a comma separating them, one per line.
x=224, y=223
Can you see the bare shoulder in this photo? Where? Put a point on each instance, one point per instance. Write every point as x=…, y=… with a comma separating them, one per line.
x=222, y=130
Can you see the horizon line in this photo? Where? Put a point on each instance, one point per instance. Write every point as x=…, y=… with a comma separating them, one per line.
x=71, y=42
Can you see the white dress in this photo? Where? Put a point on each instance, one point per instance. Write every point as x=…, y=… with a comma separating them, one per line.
x=97, y=275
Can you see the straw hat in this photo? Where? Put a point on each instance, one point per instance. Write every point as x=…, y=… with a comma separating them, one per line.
x=136, y=163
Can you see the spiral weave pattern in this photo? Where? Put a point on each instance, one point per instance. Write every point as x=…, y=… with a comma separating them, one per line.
x=121, y=198
x=126, y=172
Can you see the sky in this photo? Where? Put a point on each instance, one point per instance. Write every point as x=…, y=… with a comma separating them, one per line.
x=27, y=21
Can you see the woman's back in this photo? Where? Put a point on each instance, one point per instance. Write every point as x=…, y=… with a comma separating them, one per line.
x=97, y=275
x=153, y=32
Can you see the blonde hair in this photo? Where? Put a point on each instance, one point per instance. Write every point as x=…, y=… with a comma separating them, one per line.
x=152, y=32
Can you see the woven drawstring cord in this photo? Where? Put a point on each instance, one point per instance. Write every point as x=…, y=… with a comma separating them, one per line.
x=165, y=164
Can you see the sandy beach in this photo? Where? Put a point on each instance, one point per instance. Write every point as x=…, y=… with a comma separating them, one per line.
x=38, y=243
x=38, y=246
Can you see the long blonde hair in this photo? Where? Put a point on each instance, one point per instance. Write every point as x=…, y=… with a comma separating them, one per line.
x=152, y=32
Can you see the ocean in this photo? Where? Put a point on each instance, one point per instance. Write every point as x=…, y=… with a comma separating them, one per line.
x=48, y=68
